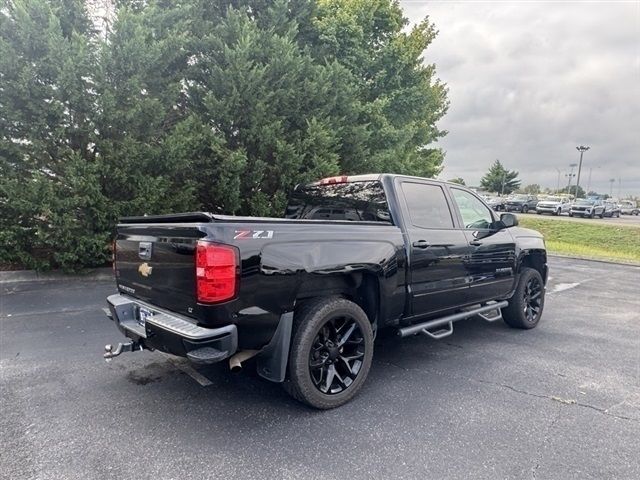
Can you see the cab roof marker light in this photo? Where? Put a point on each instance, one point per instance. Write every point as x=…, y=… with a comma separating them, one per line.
x=333, y=180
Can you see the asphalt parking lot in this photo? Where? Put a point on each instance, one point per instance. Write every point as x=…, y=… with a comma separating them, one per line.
x=560, y=401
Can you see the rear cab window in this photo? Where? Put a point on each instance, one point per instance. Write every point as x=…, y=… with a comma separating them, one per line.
x=427, y=205
x=357, y=201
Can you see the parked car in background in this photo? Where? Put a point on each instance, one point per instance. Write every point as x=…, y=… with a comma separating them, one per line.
x=611, y=209
x=553, y=205
x=629, y=207
x=497, y=203
x=587, y=208
x=521, y=203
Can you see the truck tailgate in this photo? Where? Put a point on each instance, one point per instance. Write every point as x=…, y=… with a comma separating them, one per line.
x=156, y=263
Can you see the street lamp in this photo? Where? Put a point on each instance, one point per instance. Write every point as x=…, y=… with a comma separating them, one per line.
x=589, y=180
x=611, y=181
x=581, y=149
x=570, y=175
x=558, y=185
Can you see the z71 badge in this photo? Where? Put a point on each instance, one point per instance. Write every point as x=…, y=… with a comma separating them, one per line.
x=253, y=234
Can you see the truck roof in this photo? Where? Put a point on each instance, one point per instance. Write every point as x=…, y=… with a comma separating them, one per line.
x=370, y=177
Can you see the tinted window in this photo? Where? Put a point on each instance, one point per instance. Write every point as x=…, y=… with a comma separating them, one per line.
x=354, y=201
x=427, y=205
x=474, y=213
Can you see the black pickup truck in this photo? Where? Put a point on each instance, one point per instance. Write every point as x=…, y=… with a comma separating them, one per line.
x=306, y=294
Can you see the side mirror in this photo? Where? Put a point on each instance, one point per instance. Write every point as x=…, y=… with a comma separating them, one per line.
x=509, y=220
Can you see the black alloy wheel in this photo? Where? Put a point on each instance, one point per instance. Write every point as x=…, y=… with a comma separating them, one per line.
x=525, y=209
x=527, y=302
x=533, y=299
x=336, y=355
x=331, y=352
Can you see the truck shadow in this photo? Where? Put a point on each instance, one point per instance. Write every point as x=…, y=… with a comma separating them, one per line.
x=391, y=352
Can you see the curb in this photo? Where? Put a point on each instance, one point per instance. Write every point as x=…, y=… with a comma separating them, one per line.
x=18, y=276
x=586, y=259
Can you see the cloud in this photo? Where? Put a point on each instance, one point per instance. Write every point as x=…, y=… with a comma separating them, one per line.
x=529, y=81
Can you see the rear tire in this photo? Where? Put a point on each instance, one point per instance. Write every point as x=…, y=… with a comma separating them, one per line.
x=331, y=352
x=526, y=305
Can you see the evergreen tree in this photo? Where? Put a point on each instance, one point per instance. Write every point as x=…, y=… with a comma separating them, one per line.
x=499, y=179
x=207, y=104
x=398, y=97
x=52, y=209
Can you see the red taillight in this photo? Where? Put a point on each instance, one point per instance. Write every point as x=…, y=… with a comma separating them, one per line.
x=216, y=272
x=331, y=180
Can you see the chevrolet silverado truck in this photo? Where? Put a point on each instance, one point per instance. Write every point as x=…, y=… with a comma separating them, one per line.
x=305, y=294
x=553, y=205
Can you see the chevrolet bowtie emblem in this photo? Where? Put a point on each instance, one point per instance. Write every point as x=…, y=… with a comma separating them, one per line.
x=144, y=269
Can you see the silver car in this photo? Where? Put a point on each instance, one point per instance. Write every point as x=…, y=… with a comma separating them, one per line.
x=553, y=205
x=629, y=207
x=587, y=208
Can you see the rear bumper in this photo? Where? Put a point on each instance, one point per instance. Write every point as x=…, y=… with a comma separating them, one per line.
x=172, y=333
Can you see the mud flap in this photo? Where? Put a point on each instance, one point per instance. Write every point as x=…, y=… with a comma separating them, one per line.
x=273, y=359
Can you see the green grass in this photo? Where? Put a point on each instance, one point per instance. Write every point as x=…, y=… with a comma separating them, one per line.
x=581, y=239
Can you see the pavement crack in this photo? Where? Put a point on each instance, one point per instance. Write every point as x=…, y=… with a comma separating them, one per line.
x=554, y=398
x=539, y=455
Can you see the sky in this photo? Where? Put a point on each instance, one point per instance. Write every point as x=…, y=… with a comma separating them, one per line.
x=531, y=80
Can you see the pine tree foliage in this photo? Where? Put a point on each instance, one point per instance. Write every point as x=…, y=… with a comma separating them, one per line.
x=207, y=104
x=499, y=179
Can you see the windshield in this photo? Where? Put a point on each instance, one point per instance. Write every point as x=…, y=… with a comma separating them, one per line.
x=585, y=202
x=522, y=198
x=354, y=201
x=552, y=199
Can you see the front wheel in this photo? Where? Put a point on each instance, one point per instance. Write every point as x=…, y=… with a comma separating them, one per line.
x=525, y=209
x=526, y=304
x=331, y=352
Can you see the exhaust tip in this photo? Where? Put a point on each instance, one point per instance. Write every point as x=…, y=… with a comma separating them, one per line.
x=235, y=361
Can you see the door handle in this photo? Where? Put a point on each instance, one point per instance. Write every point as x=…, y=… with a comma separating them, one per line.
x=421, y=244
x=475, y=243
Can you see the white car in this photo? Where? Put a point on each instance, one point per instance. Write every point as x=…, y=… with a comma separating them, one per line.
x=629, y=207
x=553, y=205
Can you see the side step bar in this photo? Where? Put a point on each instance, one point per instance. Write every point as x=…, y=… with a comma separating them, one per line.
x=447, y=322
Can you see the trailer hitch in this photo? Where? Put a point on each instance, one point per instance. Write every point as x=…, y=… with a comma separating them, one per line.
x=110, y=352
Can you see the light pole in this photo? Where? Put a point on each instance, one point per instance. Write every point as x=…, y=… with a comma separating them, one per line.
x=589, y=180
x=611, y=181
x=570, y=175
x=581, y=149
x=558, y=185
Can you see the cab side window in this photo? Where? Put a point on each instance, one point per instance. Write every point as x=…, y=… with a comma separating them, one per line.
x=427, y=205
x=475, y=214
